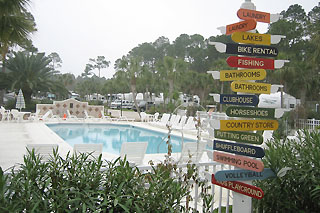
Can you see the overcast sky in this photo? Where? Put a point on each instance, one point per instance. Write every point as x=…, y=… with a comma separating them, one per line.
x=81, y=29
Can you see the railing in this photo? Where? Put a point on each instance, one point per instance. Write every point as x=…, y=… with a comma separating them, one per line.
x=221, y=197
x=310, y=124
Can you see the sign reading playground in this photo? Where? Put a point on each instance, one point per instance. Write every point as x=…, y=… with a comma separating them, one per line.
x=242, y=188
x=239, y=149
x=250, y=112
x=248, y=125
x=241, y=137
x=248, y=100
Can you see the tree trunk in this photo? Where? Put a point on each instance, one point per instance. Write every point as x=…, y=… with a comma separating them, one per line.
x=134, y=93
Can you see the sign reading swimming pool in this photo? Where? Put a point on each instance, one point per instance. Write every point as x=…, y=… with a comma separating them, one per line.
x=239, y=149
x=243, y=175
x=242, y=137
x=242, y=188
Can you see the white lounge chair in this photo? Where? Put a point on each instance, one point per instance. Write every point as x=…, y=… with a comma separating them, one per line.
x=181, y=123
x=123, y=118
x=156, y=116
x=70, y=116
x=87, y=116
x=143, y=116
x=134, y=151
x=95, y=150
x=192, y=152
x=46, y=116
x=175, y=121
x=105, y=117
x=14, y=113
x=44, y=150
x=4, y=114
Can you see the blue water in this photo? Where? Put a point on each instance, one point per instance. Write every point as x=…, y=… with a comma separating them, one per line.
x=113, y=135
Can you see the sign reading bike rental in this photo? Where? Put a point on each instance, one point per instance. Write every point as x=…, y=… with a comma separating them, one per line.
x=242, y=188
x=250, y=112
x=239, y=149
x=248, y=125
x=241, y=137
x=242, y=75
x=248, y=100
x=251, y=50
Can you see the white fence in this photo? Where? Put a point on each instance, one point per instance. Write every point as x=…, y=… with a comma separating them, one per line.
x=310, y=124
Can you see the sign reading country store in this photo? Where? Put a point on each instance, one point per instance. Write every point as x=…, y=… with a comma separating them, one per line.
x=248, y=125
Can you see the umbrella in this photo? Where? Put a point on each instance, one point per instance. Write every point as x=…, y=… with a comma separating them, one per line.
x=20, y=101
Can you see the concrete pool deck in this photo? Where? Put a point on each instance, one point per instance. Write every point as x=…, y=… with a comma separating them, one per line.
x=15, y=136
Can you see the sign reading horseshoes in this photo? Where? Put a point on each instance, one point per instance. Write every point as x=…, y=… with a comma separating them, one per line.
x=250, y=112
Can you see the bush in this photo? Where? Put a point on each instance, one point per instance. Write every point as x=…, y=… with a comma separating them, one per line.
x=297, y=189
x=76, y=184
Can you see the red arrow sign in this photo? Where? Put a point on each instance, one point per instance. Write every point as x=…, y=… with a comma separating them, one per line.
x=241, y=26
x=242, y=188
x=252, y=63
x=252, y=14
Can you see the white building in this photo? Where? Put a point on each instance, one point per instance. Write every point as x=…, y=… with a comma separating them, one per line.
x=274, y=101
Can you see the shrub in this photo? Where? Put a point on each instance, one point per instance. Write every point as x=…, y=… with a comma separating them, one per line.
x=297, y=189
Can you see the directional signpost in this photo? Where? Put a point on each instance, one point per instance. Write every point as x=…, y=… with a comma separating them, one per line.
x=239, y=27
x=250, y=87
x=239, y=75
x=254, y=63
x=246, y=14
x=256, y=38
x=250, y=112
x=247, y=100
x=246, y=125
x=242, y=174
x=241, y=137
x=239, y=149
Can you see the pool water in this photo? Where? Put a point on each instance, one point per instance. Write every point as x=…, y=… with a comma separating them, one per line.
x=113, y=135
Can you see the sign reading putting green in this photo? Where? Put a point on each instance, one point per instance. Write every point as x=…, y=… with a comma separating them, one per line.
x=239, y=149
x=250, y=112
x=243, y=175
x=241, y=137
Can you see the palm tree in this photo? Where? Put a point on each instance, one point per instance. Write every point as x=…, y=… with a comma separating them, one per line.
x=32, y=73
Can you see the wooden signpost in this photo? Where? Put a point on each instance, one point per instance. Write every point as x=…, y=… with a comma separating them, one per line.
x=246, y=14
x=250, y=112
x=246, y=125
x=239, y=75
x=248, y=100
x=241, y=137
x=255, y=38
x=239, y=149
x=243, y=175
x=242, y=188
x=238, y=161
x=242, y=26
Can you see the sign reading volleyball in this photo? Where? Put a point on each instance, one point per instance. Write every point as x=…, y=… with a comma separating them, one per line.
x=241, y=137
x=250, y=112
x=239, y=149
x=243, y=175
x=242, y=188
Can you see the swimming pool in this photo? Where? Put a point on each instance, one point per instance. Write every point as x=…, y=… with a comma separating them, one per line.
x=113, y=135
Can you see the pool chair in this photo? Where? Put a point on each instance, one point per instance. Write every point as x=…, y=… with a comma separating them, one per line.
x=95, y=150
x=70, y=116
x=88, y=117
x=5, y=114
x=134, y=151
x=143, y=116
x=175, y=121
x=156, y=116
x=106, y=117
x=123, y=118
x=181, y=123
x=44, y=150
x=192, y=152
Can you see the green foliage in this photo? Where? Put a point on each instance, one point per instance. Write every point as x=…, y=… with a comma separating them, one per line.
x=78, y=184
x=296, y=190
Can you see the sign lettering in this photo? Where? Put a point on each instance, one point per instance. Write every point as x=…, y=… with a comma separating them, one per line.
x=248, y=125
x=242, y=188
x=241, y=137
x=243, y=75
x=251, y=38
x=247, y=62
x=241, y=26
x=250, y=112
x=248, y=100
x=249, y=87
x=245, y=14
x=239, y=149
x=251, y=50
x=243, y=175
x=238, y=161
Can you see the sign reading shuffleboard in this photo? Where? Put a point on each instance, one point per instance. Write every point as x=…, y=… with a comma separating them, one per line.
x=243, y=175
x=241, y=137
x=242, y=188
x=238, y=161
x=248, y=125
x=239, y=149
x=250, y=112
x=248, y=100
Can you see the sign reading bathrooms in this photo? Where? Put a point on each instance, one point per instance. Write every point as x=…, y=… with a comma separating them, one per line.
x=239, y=149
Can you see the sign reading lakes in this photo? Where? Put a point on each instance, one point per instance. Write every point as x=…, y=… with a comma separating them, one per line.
x=251, y=38
x=239, y=149
x=243, y=175
x=249, y=87
x=246, y=14
x=248, y=125
x=241, y=137
x=252, y=63
x=241, y=26
x=250, y=112
x=238, y=161
x=242, y=75
x=248, y=100
x=251, y=50
x=242, y=188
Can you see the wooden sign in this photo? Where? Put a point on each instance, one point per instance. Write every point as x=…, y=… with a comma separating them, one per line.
x=246, y=14
x=250, y=112
x=242, y=75
x=239, y=149
x=239, y=187
x=247, y=125
x=250, y=87
x=256, y=38
x=241, y=137
x=252, y=63
x=241, y=26
x=238, y=161
x=243, y=175
x=248, y=100
x=251, y=50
